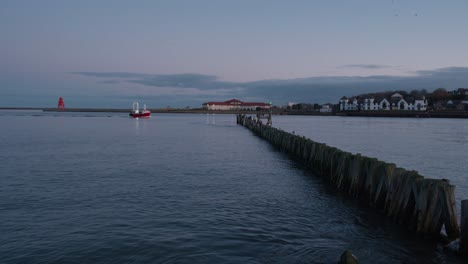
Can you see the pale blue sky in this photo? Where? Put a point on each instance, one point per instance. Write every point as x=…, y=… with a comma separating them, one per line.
x=65, y=48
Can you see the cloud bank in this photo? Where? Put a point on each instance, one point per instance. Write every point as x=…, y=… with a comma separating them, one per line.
x=366, y=66
x=311, y=89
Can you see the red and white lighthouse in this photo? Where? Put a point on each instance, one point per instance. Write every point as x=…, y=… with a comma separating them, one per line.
x=61, y=105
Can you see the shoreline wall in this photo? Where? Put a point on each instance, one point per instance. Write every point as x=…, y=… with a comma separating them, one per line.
x=423, y=205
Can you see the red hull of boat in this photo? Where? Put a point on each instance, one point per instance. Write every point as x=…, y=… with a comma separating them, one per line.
x=148, y=114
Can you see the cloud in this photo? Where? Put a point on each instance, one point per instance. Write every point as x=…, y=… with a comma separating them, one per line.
x=186, y=80
x=366, y=66
x=311, y=89
x=444, y=72
x=122, y=75
x=109, y=81
x=200, y=81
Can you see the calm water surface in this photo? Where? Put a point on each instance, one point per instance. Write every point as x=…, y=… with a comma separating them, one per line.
x=104, y=188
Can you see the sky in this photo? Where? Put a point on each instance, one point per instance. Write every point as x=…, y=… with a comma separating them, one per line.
x=182, y=53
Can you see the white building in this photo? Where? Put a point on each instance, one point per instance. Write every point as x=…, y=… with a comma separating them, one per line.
x=326, y=108
x=395, y=102
x=234, y=104
x=348, y=105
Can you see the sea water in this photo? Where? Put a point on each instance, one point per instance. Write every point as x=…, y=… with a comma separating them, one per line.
x=105, y=188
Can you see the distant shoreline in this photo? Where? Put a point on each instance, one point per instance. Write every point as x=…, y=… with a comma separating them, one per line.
x=411, y=114
x=275, y=111
x=155, y=110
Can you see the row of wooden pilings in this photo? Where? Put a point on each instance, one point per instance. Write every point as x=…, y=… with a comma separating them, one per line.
x=423, y=205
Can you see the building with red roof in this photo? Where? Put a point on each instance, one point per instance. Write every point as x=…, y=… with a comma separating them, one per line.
x=235, y=104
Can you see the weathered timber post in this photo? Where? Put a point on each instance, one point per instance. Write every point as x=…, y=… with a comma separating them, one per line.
x=348, y=258
x=450, y=215
x=464, y=228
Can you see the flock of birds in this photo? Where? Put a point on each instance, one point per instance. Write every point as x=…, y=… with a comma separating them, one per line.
x=397, y=14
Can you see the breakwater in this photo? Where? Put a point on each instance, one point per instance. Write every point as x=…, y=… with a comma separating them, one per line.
x=422, y=205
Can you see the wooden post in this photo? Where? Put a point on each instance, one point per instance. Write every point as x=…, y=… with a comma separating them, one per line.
x=348, y=258
x=464, y=228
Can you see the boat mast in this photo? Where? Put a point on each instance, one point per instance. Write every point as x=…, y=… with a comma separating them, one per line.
x=136, y=107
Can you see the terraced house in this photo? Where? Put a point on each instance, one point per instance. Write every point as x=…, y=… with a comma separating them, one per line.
x=396, y=102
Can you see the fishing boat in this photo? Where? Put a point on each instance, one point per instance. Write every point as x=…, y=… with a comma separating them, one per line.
x=136, y=112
